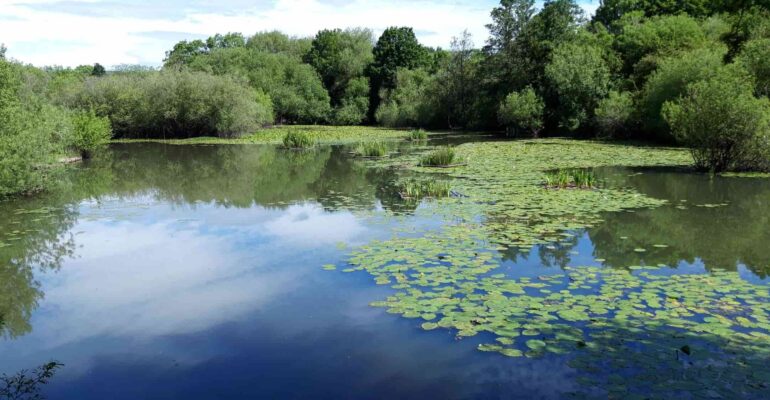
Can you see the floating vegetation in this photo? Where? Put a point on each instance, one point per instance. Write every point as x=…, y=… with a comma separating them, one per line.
x=417, y=134
x=443, y=157
x=577, y=178
x=371, y=149
x=414, y=189
x=626, y=331
x=296, y=139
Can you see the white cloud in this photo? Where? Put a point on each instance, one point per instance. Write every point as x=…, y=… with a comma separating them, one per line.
x=48, y=32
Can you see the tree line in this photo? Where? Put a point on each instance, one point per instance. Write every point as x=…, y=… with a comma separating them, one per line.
x=695, y=73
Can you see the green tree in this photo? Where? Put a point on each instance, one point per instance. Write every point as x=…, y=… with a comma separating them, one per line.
x=410, y=103
x=396, y=48
x=614, y=114
x=340, y=58
x=611, y=10
x=279, y=43
x=580, y=78
x=98, y=70
x=643, y=43
x=522, y=111
x=725, y=126
x=669, y=82
x=460, y=84
x=755, y=57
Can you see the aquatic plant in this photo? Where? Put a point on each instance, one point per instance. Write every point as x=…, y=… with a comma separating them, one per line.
x=442, y=157
x=296, y=139
x=414, y=189
x=583, y=178
x=417, y=134
x=577, y=178
x=557, y=179
x=372, y=149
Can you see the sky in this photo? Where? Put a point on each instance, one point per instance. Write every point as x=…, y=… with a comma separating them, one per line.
x=113, y=32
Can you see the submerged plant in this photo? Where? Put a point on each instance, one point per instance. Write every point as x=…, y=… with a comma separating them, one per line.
x=372, y=149
x=417, y=134
x=442, y=157
x=298, y=140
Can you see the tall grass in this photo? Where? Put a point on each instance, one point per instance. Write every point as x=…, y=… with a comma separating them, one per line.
x=438, y=158
x=372, y=149
x=298, y=140
x=414, y=189
x=564, y=178
x=417, y=134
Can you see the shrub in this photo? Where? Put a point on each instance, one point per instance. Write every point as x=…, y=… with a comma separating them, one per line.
x=438, y=158
x=372, y=149
x=31, y=130
x=726, y=127
x=298, y=140
x=522, y=110
x=417, y=134
x=89, y=132
x=174, y=104
x=613, y=116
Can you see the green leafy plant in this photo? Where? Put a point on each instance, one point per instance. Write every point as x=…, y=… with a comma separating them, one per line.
x=295, y=139
x=442, y=157
x=90, y=132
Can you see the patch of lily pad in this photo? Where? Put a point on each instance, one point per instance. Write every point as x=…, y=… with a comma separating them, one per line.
x=624, y=330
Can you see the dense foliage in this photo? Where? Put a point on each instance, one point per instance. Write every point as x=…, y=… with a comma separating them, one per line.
x=173, y=104
x=637, y=69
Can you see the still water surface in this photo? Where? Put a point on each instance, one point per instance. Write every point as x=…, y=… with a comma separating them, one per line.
x=195, y=272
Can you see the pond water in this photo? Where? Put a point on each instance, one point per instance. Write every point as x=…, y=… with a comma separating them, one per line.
x=196, y=272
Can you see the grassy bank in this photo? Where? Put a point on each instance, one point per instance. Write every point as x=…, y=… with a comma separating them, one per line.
x=321, y=134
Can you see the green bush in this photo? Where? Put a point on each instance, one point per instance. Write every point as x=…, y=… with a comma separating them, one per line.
x=173, y=104
x=614, y=114
x=90, y=132
x=523, y=111
x=725, y=126
x=296, y=139
x=31, y=134
x=438, y=158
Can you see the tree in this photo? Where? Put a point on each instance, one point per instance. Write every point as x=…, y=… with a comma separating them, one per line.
x=340, y=58
x=580, y=77
x=98, y=70
x=90, y=132
x=643, y=43
x=613, y=115
x=725, y=126
x=523, y=111
x=669, y=82
x=459, y=84
x=396, y=48
x=611, y=10
x=3, y=49
x=755, y=57
x=410, y=103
